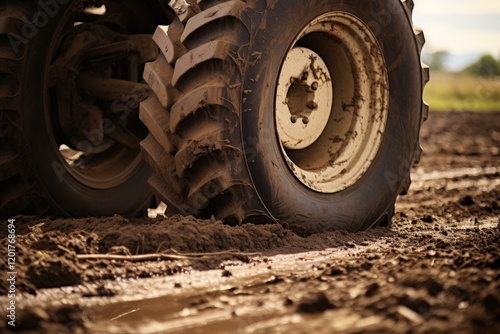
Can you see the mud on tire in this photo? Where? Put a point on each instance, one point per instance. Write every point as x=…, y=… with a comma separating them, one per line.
x=226, y=85
x=69, y=127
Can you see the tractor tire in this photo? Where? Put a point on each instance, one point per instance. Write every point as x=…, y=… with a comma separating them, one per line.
x=70, y=87
x=263, y=112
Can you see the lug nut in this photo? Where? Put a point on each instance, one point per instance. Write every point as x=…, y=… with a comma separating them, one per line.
x=293, y=119
x=312, y=105
x=305, y=120
x=314, y=86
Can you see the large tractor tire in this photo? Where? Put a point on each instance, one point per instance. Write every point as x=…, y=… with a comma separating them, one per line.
x=70, y=87
x=306, y=112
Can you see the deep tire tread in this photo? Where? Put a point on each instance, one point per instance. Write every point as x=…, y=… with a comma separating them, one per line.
x=156, y=156
x=167, y=39
x=215, y=172
x=156, y=74
x=204, y=186
x=205, y=156
x=15, y=180
x=205, y=55
x=156, y=123
x=217, y=23
x=207, y=141
x=212, y=96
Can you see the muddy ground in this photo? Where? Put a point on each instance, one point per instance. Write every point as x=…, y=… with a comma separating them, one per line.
x=435, y=270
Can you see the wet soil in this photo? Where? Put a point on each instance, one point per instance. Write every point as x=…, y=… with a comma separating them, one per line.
x=435, y=269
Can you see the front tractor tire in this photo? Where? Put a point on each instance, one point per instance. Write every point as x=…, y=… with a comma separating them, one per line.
x=70, y=85
x=263, y=112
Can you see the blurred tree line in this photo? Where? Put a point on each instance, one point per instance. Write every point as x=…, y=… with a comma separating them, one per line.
x=437, y=60
x=485, y=66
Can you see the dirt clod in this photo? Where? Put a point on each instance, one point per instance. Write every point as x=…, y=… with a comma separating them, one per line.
x=315, y=303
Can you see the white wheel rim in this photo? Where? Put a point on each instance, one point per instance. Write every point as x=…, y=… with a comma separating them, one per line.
x=330, y=123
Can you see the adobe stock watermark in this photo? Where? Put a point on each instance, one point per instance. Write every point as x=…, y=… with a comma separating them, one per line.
x=11, y=273
x=30, y=29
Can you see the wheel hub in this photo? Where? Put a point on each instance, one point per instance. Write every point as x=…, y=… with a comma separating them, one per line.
x=304, y=99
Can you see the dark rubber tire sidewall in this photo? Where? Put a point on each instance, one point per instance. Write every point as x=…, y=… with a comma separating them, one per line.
x=363, y=204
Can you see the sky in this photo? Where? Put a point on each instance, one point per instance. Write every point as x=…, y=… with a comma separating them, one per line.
x=465, y=28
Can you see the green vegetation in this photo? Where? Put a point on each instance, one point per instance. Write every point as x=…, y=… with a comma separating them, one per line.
x=475, y=88
x=486, y=66
x=462, y=92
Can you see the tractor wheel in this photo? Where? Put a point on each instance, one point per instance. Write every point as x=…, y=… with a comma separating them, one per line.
x=263, y=112
x=70, y=88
